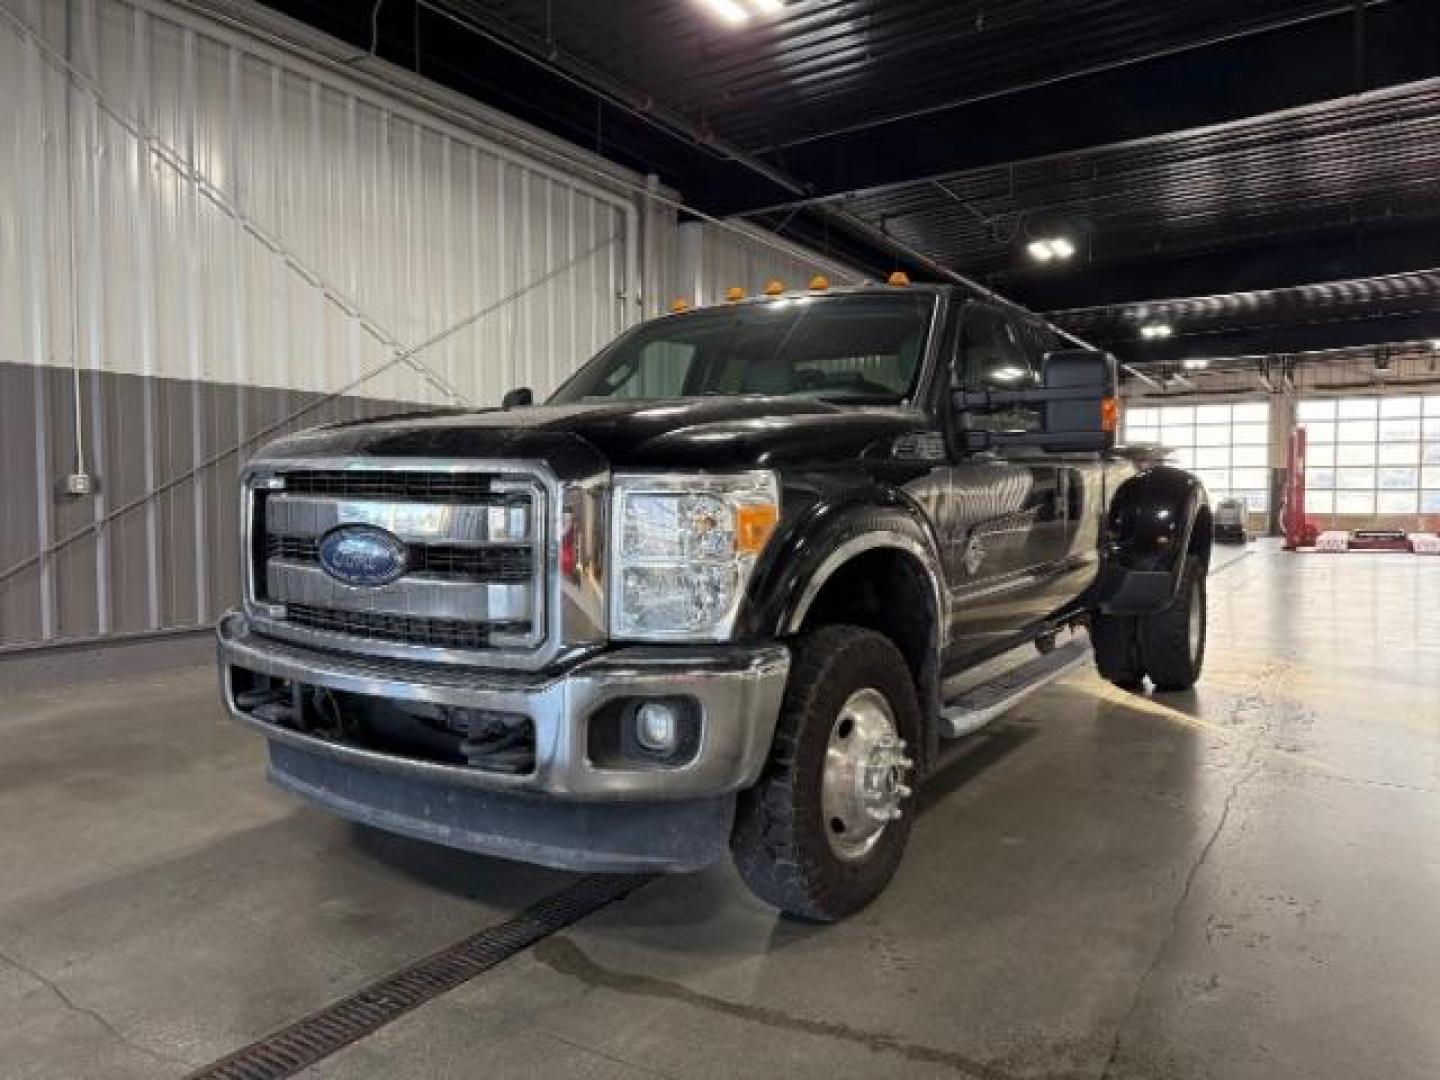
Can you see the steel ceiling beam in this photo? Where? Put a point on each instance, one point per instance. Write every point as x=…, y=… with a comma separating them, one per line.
x=1145, y=99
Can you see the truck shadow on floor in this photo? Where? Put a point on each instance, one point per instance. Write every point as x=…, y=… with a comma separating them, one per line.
x=971, y=756
x=483, y=878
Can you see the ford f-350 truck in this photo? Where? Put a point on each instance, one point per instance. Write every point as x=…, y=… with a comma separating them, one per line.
x=728, y=588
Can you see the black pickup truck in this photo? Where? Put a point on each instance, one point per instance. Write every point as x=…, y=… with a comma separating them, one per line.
x=735, y=585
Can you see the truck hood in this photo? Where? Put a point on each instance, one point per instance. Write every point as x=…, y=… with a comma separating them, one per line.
x=749, y=431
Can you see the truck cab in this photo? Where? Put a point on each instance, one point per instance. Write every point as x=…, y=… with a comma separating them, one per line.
x=726, y=589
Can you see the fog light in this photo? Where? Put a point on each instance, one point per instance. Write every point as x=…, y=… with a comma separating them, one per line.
x=657, y=727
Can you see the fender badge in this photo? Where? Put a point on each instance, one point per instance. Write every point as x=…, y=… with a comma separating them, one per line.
x=974, y=554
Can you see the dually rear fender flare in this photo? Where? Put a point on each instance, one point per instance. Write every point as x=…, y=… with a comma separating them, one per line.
x=1150, y=526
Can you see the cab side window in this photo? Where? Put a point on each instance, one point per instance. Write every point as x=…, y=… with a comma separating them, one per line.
x=995, y=354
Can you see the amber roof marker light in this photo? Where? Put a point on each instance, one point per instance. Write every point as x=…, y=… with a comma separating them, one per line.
x=774, y=287
x=734, y=293
x=678, y=305
x=899, y=279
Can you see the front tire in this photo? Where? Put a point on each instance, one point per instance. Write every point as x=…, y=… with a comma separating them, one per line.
x=821, y=833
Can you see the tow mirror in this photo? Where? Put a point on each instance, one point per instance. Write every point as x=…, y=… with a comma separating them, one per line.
x=518, y=398
x=1081, y=404
x=1076, y=402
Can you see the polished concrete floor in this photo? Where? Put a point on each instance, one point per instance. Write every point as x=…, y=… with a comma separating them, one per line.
x=1239, y=882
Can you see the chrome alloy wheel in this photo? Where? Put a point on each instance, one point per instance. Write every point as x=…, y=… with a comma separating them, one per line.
x=863, y=783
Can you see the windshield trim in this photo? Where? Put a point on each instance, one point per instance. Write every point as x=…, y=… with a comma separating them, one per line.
x=917, y=390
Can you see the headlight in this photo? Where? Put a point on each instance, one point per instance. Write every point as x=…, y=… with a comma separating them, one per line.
x=684, y=547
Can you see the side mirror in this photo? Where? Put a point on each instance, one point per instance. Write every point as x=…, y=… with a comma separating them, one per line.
x=1076, y=402
x=518, y=398
x=1081, y=399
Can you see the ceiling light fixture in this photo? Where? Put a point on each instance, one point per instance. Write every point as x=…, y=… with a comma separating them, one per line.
x=1154, y=331
x=728, y=10
x=1048, y=248
x=735, y=13
x=1195, y=363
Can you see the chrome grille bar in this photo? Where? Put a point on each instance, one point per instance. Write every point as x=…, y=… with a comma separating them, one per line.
x=430, y=597
x=414, y=522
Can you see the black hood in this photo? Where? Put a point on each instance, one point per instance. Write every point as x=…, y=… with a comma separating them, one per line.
x=693, y=432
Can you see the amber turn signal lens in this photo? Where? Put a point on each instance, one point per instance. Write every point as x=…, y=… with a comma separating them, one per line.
x=753, y=526
x=1109, y=414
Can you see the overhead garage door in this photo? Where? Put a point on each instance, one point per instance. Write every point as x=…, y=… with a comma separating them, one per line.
x=1372, y=456
x=1226, y=445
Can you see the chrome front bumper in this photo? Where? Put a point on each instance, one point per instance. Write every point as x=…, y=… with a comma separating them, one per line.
x=738, y=691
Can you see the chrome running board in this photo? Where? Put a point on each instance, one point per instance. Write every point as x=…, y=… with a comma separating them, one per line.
x=978, y=706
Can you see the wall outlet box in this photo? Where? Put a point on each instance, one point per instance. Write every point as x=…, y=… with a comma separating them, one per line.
x=79, y=484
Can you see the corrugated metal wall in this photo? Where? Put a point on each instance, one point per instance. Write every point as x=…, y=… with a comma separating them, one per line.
x=217, y=230
x=711, y=259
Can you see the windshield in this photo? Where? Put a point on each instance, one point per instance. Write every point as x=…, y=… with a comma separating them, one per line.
x=862, y=348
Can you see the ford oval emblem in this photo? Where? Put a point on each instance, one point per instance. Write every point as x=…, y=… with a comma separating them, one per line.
x=362, y=555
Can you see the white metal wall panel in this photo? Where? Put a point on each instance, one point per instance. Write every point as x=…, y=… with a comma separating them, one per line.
x=713, y=259
x=222, y=229
x=418, y=224
x=199, y=320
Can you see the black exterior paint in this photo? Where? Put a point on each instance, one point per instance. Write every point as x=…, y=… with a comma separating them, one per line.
x=730, y=432
x=1014, y=544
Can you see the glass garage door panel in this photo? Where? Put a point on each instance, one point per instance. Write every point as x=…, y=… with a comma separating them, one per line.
x=1372, y=455
x=1226, y=445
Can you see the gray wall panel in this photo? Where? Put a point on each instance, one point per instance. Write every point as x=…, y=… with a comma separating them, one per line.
x=135, y=569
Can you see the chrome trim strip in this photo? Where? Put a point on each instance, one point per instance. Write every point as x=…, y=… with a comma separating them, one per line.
x=880, y=538
x=584, y=599
x=420, y=595
x=738, y=691
x=413, y=522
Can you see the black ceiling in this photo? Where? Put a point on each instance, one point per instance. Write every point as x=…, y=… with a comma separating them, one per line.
x=1373, y=159
x=828, y=65
x=1394, y=308
x=1189, y=146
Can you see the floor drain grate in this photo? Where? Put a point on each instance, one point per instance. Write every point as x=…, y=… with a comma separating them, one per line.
x=336, y=1026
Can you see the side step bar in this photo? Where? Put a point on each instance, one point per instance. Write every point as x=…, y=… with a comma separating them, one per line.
x=976, y=707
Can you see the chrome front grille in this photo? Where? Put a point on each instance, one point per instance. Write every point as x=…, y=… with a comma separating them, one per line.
x=476, y=543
